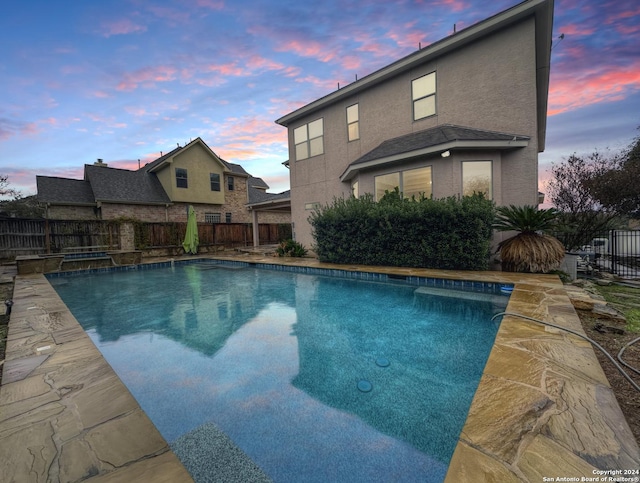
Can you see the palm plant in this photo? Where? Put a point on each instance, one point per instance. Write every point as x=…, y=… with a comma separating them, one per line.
x=529, y=250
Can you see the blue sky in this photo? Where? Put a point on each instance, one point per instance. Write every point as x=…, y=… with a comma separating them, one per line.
x=125, y=80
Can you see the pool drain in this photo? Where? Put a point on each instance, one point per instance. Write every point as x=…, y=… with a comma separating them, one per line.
x=382, y=362
x=364, y=386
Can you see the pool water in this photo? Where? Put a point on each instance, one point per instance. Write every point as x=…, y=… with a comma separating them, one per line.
x=315, y=378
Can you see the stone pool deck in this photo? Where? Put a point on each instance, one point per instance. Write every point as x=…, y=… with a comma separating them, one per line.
x=543, y=408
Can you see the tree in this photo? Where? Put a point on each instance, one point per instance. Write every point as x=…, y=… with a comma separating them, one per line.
x=618, y=189
x=572, y=191
x=5, y=190
x=529, y=250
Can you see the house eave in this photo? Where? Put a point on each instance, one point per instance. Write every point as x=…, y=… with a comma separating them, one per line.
x=270, y=204
x=354, y=169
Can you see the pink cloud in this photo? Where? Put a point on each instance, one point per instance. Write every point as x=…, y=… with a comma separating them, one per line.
x=147, y=77
x=576, y=30
x=600, y=84
x=307, y=48
x=121, y=27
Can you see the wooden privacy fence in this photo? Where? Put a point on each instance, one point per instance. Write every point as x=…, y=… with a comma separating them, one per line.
x=155, y=235
x=19, y=236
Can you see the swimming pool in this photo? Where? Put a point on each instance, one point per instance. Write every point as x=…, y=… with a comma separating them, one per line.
x=308, y=387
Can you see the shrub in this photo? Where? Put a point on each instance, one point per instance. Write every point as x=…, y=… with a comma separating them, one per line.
x=451, y=233
x=291, y=248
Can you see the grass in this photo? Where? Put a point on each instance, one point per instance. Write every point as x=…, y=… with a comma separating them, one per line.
x=626, y=300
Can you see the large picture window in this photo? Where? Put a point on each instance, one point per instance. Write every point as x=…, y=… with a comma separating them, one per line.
x=353, y=123
x=477, y=178
x=423, y=92
x=181, y=178
x=411, y=183
x=309, y=139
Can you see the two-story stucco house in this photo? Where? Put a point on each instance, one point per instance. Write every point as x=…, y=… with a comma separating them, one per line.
x=467, y=113
x=221, y=192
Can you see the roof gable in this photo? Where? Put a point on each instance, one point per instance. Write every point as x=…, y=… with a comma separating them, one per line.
x=164, y=161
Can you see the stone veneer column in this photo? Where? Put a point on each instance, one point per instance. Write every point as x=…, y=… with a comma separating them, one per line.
x=127, y=237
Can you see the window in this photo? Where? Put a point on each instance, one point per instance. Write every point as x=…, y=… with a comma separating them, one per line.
x=353, y=124
x=423, y=92
x=212, y=217
x=230, y=183
x=386, y=182
x=309, y=139
x=477, y=178
x=181, y=178
x=416, y=182
x=412, y=182
x=227, y=217
x=214, y=178
x=354, y=189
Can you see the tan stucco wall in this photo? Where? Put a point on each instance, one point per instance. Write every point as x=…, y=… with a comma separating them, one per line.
x=199, y=163
x=488, y=85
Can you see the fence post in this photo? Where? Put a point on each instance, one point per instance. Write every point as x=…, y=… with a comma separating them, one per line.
x=47, y=241
x=614, y=252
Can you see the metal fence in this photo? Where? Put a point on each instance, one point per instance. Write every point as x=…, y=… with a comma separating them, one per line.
x=615, y=251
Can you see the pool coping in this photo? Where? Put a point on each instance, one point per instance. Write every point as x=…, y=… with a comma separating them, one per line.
x=543, y=407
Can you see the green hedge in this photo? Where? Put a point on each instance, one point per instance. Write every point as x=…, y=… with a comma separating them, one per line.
x=452, y=233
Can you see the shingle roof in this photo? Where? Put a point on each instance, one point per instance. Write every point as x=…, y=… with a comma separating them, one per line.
x=64, y=190
x=124, y=186
x=439, y=135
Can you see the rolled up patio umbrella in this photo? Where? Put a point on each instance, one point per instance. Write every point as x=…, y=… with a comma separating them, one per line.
x=191, y=240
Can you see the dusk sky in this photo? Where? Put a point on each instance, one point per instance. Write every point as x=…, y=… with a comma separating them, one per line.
x=124, y=80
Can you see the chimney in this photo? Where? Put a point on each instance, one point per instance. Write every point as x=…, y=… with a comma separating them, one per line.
x=100, y=163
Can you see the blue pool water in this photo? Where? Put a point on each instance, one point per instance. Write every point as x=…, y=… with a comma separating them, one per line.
x=315, y=378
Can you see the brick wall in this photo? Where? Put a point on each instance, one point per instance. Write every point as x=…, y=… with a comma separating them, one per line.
x=71, y=213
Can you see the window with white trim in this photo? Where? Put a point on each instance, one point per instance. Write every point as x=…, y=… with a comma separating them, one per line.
x=423, y=95
x=353, y=123
x=309, y=139
x=212, y=217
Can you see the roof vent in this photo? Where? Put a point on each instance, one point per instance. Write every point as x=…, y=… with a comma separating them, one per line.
x=99, y=162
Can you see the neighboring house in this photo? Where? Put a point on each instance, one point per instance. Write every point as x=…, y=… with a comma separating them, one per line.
x=220, y=192
x=467, y=113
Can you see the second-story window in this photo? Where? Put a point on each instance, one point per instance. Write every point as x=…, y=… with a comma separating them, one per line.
x=181, y=178
x=309, y=139
x=215, y=181
x=423, y=94
x=353, y=123
x=230, y=183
